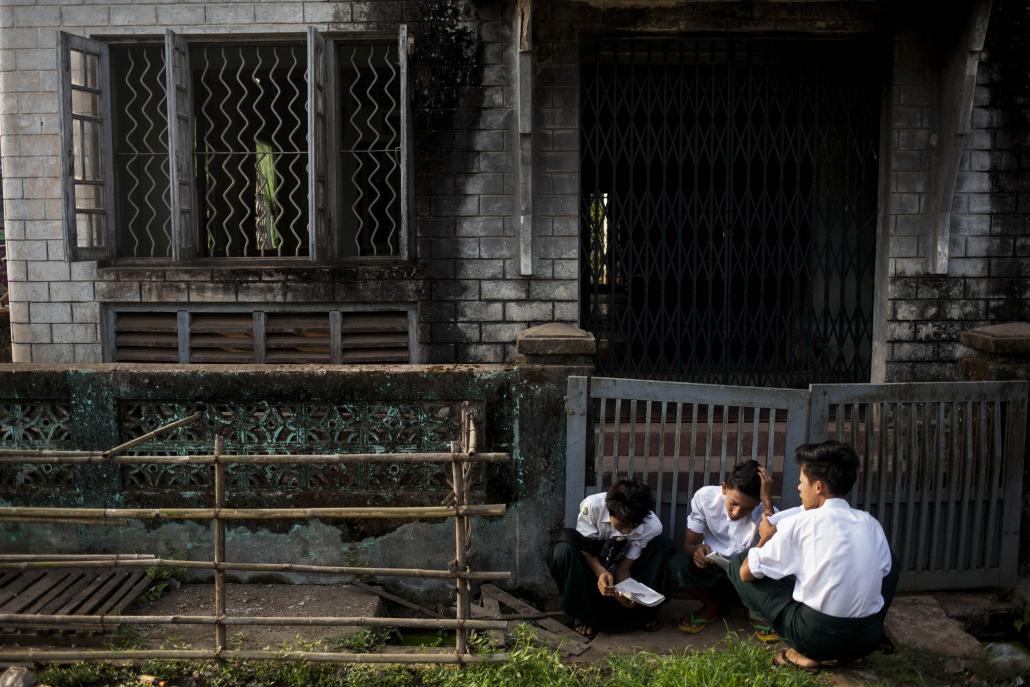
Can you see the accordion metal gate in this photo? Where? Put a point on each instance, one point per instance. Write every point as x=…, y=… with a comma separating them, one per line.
x=728, y=207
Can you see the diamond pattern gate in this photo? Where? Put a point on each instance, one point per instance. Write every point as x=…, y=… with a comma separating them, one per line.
x=728, y=206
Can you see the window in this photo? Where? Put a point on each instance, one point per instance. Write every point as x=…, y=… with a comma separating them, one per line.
x=259, y=334
x=295, y=147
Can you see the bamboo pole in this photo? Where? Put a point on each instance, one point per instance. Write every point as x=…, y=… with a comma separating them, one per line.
x=132, y=443
x=461, y=601
x=28, y=456
x=384, y=513
x=15, y=619
x=77, y=557
x=219, y=525
x=75, y=655
x=44, y=562
x=68, y=521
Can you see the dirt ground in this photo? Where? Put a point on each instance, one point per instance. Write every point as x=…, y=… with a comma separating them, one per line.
x=252, y=600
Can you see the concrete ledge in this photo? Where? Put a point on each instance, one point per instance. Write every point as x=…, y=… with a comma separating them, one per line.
x=1011, y=338
x=554, y=340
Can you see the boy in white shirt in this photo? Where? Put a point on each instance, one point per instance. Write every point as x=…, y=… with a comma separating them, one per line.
x=617, y=536
x=825, y=577
x=723, y=519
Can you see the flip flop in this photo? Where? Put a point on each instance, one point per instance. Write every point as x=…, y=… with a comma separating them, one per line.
x=783, y=660
x=765, y=633
x=587, y=635
x=695, y=625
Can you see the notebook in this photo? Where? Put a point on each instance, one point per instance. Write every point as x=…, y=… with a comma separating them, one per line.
x=638, y=592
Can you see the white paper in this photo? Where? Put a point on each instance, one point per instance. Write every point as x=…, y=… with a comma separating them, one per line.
x=718, y=559
x=639, y=592
x=784, y=514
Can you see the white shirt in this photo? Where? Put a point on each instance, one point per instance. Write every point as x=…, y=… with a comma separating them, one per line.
x=708, y=517
x=595, y=522
x=838, y=556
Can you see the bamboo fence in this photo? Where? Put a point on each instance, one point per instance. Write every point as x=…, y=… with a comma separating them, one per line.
x=463, y=454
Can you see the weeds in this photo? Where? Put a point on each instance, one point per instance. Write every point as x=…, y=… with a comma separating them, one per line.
x=736, y=663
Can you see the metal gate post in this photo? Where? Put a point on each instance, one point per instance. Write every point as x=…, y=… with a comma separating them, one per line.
x=576, y=399
x=799, y=429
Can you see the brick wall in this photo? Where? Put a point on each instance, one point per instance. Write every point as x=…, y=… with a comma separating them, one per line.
x=989, y=240
x=471, y=299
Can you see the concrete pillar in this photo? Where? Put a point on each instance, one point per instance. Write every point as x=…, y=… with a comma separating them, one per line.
x=555, y=343
x=1001, y=352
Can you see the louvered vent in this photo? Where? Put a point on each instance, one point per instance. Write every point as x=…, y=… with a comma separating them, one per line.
x=374, y=337
x=221, y=338
x=326, y=337
x=297, y=338
x=146, y=337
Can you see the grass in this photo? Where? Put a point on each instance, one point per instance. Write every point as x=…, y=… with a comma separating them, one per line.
x=737, y=663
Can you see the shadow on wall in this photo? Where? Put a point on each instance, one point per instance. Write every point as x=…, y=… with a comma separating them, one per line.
x=5, y=335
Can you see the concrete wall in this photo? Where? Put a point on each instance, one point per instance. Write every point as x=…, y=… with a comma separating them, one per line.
x=520, y=411
x=990, y=238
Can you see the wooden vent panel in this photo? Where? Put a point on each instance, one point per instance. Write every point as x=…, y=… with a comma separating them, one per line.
x=326, y=337
x=146, y=337
x=374, y=337
x=298, y=338
x=221, y=338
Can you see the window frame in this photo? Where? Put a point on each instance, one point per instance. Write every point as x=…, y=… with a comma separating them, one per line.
x=66, y=44
x=324, y=168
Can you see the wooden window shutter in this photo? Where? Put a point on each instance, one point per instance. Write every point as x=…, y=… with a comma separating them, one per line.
x=178, y=86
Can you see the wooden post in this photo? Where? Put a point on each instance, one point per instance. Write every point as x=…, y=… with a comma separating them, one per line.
x=219, y=524
x=462, y=602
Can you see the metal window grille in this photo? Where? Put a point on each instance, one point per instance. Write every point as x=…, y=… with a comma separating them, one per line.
x=251, y=149
x=278, y=149
x=729, y=208
x=141, y=151
x=370, y=149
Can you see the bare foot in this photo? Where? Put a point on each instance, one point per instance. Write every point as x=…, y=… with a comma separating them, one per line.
x=793, y=657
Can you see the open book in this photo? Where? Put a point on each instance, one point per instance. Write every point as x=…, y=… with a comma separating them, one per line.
x=640, y=593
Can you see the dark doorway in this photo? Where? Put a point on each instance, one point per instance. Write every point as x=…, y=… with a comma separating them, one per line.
x=728, y=207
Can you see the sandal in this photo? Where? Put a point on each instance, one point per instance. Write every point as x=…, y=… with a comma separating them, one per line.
x=765, y=633
x=694, y=625
x=651, y=626
x=584, y=630
x=783, y=659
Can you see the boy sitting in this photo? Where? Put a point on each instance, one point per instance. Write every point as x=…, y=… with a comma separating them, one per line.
x=617, y=536
x=723, y=519
x=825, y=576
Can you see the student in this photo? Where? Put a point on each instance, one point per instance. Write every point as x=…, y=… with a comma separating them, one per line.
x=824, y=576
x=723, y=519
x=617, y=536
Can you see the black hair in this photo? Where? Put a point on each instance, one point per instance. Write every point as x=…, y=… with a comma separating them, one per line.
x=831, y=462
x=629, y=501
x=745, y=479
